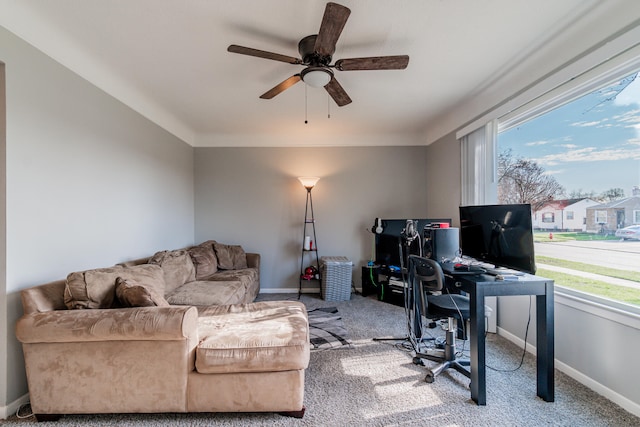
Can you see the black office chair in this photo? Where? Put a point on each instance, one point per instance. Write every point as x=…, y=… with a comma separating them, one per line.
x=425, y=276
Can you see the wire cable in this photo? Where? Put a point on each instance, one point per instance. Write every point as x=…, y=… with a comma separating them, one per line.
x=524, y=350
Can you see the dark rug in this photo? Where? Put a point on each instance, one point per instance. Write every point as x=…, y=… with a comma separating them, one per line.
x=326, y=330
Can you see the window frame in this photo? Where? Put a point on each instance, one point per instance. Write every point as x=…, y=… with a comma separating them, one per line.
x=599, y=76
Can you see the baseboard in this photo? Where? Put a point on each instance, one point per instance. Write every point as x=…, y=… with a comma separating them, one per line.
x=294, y=291
x=288, y=291
x=12, y=408
x=583, y=379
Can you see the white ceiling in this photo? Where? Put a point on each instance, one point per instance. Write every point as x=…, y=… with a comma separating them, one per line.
x=167, y=59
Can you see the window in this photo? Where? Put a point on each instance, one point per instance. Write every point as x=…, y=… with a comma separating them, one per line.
x=584, y=148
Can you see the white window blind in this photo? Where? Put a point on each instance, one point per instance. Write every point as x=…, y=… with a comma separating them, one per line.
x=479, y=166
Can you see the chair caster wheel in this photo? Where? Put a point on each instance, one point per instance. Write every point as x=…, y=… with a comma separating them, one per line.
x=418, y=361
x=430, y=378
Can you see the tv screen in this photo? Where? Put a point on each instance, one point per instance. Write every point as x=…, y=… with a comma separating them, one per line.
x=501, y=235
x=387, y=249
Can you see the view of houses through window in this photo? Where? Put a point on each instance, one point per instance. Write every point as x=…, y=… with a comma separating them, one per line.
x=579, y=168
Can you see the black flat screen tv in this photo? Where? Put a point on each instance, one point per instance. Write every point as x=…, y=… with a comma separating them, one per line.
x=501, y=235
x=387, y=248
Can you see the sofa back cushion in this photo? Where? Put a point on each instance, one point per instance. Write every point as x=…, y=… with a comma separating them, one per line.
x=205, y=260
x=96, y=288
x=230, y=257
x=177, y=266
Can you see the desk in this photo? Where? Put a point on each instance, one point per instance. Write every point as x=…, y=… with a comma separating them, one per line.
x=479, y=286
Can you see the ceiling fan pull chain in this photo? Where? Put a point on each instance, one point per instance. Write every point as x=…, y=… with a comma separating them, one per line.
x=305, y=105
x=328, y=106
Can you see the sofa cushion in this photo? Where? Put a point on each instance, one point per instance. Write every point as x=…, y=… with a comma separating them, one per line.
x=177, y=266
x=205, y=260
x=245, y=275
x=84, y=289
x=230, y=257
x=258, y=337
x=130, y=293
x=97, y=288
x=204, y=293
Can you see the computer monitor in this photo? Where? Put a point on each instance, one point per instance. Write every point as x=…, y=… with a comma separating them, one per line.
x=501, y=235
x=388, y=241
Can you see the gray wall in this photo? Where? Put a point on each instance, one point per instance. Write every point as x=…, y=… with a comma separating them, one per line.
x=3, y=236
x=89, y=183
x=251, y=196
x=443, y=176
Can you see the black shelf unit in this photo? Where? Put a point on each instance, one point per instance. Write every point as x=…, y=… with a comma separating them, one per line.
x=309, y=220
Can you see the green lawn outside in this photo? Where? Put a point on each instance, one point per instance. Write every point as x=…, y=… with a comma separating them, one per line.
x=590, y=268
x=594, y=287
x=545, y=236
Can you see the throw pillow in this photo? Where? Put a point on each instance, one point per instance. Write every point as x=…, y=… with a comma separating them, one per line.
x=177, y=266
x=91, y=288
x=230, y=257
x=131, y=295
x=204, y=259
x=97, y=288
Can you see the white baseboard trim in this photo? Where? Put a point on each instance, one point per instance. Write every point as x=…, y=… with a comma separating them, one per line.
x=293, y=291
x=602, y=390
x=12, y=408
x=288, y=291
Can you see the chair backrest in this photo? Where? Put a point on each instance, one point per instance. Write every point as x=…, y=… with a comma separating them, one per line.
x=427, y=271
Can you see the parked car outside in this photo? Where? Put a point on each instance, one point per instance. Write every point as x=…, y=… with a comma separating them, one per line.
x=631, y=232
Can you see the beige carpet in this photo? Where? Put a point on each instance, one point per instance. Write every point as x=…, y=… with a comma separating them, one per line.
x=376, y=384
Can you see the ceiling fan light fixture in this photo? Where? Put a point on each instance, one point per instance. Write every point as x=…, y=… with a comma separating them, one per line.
x=316, y=76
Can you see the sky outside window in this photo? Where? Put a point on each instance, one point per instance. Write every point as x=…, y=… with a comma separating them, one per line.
x=590, y=144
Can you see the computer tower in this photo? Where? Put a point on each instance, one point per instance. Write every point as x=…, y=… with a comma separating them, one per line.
x=441, y=244
x=370, y=280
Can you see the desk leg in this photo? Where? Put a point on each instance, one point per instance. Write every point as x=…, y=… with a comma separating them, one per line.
x=477, y=345
x=545, y=344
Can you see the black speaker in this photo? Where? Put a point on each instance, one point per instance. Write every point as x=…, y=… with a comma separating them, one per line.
x=441, y=244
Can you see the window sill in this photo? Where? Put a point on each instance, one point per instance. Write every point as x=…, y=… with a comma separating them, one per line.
x=625, y=314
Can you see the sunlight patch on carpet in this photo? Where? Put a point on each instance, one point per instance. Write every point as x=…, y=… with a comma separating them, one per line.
x=326, y=330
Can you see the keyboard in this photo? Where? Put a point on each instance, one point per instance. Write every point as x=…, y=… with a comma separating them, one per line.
x=457, y=268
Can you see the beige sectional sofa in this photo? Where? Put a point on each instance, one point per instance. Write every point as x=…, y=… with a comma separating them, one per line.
x=176, y=332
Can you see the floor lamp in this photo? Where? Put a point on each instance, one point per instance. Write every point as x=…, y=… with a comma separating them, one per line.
x=308, y=245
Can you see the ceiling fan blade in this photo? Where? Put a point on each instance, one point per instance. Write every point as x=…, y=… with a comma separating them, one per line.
x=398, y=62
x=281, y=87
x=263, y=54
x=336, y=92
x=333, y=21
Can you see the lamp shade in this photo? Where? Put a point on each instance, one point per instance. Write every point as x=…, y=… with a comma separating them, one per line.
x=308, y=182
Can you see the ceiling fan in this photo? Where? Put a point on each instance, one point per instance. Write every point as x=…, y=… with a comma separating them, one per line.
x=316, y=51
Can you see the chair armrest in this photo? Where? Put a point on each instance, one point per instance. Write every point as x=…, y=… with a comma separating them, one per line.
x=120, y=324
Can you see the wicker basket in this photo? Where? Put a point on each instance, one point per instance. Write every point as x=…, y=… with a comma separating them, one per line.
x=336, y=278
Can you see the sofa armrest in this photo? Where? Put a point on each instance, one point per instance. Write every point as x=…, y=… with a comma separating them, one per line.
x=122, y=324
x=253, y=260
x=44, y=298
